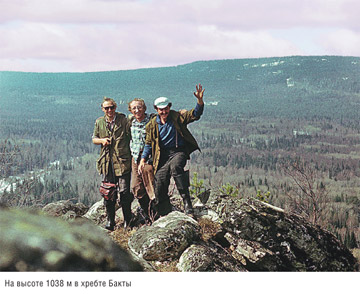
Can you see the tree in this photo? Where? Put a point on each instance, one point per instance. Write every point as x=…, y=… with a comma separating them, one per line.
x=8, y=153
x=309, y=197
x=196, y=186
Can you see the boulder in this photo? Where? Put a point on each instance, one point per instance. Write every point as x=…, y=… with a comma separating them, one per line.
x=63, y=207
x=265, y=238
x=166, y=238
x=208, y=257
x=146, y=265
x=230, y=234
x=97, y=213
x=36, y=242
x=201, y=211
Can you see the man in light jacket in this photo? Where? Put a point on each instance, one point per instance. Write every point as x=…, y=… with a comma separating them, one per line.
x=142, y=185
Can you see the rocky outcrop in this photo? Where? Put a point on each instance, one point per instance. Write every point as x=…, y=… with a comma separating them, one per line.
x=253, y=236
x=35, y=242
x=229, y=234
x=166, y=238
x=208, y=257
x=65, y=209
x=97, y=213
x=265, y=238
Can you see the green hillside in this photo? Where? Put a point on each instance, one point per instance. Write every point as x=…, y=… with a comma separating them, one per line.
x=40, y=107
x=288, y=86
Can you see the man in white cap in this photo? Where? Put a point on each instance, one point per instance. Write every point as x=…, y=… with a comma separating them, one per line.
x=170, y=143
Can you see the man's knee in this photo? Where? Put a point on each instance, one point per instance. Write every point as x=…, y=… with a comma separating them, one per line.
x=126, y=198
x=138, y=191
x=182, y=181
x=177, y=164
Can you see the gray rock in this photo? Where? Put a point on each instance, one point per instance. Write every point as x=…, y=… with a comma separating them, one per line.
x=201, y=211
x=166, y=238
x=35, y=242
x=61, y=208
x=147, y=266
x=249, y=235
x=97, y=214
x=208, y=257
x=265, y=238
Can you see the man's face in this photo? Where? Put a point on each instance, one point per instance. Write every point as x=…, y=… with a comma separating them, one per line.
x=109, y=109
x=163, y=112
x=138, y=110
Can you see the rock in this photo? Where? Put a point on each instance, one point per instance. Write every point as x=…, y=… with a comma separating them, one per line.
x=147, y=266
x=201, y=211
x=230, y=234
x=97, y=214
x=69, y=216
x=35, y=242
x=208, y=257
x=265, y=238
x=64, y=207
x=166, y=238
x=204, y=196
x=244, y=251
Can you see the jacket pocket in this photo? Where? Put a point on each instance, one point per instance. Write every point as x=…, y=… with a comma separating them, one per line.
x=122, y=165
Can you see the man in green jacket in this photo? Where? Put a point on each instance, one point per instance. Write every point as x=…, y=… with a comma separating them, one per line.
x=171, y=143
x=114, y=164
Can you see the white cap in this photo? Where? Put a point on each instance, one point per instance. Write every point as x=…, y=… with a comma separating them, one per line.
x=161, y=102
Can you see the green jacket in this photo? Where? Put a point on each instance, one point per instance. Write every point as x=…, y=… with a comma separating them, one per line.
x=180, y=123
x=119, y=150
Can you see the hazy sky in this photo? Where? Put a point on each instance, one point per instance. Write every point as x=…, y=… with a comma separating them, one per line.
x=101, y=35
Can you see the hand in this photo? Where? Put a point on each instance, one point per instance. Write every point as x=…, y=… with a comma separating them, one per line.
x=106, y=141
x=182, y=111
x=199, y=92
x=141, y=166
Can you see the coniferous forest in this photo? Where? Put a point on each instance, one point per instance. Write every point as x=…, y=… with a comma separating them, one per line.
x=285, y=130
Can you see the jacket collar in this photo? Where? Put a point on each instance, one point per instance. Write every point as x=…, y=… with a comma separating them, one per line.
x=173, y=116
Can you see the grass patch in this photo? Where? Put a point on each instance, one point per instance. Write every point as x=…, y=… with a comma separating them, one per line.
x=121, y=236
x=209, y=228
x=356, y=253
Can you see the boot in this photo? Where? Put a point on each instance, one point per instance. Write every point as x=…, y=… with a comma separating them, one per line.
x=187, y=203
x=110, y=212
x=163, y=208
x=125, y=203
x=144, y=204
x=182, y=184
x=145, y=209
x=128, y=216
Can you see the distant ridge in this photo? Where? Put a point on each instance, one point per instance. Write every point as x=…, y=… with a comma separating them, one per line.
x=275, y=86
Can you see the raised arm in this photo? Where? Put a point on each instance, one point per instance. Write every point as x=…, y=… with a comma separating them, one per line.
x=199, y=94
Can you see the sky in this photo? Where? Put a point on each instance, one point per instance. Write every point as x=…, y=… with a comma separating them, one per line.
x=104, y=35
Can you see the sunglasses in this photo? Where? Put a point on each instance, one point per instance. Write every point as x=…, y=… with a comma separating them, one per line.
x=109, y=107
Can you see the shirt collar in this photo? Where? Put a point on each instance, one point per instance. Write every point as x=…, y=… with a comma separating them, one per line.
x=112, y=121
x=159, y=121
x=146, y=118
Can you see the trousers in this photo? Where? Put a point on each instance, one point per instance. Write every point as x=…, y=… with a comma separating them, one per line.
x=142, y=185
x=172, y=163
x=125, y=200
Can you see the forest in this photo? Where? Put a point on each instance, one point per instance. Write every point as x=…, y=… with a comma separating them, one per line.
x=264, y=119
